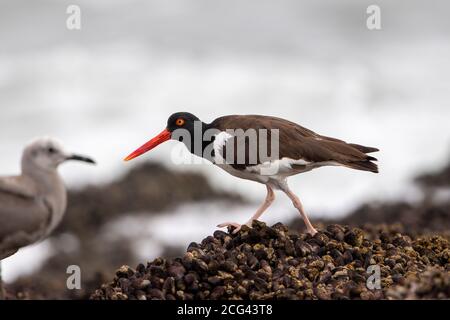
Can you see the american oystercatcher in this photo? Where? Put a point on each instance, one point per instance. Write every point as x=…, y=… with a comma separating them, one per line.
x=263, y=149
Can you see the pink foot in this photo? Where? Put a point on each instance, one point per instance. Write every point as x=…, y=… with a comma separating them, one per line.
x=311, y=231
x=237, y=226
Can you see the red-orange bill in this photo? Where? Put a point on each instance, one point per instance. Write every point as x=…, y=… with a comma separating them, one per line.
x=160, y=138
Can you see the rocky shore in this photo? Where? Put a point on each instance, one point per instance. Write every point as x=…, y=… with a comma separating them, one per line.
x=409, y=242
x=271, y=263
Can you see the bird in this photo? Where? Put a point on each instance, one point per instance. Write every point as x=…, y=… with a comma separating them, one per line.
x=33, y=203
x=228, y=139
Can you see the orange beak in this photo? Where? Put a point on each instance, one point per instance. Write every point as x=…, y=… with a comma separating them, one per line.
x=160, y=138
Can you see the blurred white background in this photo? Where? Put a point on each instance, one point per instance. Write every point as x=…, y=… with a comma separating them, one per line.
x=109, y=87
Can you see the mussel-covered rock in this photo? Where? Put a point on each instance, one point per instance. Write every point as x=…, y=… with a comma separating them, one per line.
x=271, y=263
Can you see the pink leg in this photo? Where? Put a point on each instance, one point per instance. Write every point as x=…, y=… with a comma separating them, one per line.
x=266, y=204
x=299, y=206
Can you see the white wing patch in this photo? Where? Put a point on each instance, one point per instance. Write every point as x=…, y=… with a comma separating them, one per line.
x=219, y=142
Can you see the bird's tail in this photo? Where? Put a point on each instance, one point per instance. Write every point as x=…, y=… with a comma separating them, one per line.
x=364, y=149
x=365, y=165
x=351, y=155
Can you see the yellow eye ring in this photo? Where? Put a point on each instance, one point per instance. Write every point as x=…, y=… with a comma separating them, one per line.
x=179, y=122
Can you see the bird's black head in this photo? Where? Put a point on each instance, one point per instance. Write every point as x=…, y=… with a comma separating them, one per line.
x=188, y=129
x=181, y=120
x=181, y=126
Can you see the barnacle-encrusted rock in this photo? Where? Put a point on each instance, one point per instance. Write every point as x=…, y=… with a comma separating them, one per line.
x=269, y=263
x=433, y=283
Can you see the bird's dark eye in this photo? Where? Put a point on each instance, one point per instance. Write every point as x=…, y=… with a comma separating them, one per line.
x=179, y=122
x=51, y=150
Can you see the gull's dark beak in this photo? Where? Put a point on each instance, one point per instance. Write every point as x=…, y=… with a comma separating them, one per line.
x=77, y=157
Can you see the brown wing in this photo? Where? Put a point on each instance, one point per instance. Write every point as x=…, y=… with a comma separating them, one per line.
x=297, y=142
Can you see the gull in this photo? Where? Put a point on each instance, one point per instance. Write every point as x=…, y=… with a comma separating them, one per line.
x=33, y=203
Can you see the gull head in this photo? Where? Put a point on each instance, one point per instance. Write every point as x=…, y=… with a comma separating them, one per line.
x=47, y=154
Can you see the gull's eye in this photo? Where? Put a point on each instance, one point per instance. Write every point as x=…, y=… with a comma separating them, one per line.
x=179, y=122
x=51, y=150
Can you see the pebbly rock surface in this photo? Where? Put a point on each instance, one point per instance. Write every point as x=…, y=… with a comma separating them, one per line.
x=432, y=284
x=271, y=263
